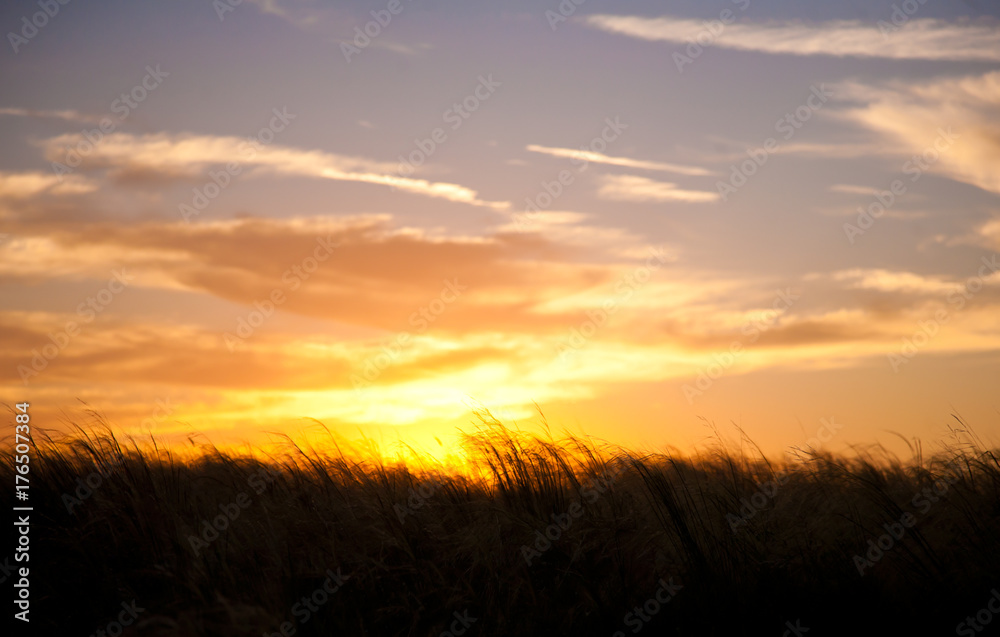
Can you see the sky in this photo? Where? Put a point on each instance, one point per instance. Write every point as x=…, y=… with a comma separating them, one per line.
x=641, y=221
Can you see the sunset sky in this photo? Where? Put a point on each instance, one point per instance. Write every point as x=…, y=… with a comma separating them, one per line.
x=233, y=217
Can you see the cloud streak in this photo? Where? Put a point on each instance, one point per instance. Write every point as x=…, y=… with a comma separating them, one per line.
x=191, y=155
x=24, y=185
x=68, y=115
x=641, y=189
x=920, y=39
x=600, y=158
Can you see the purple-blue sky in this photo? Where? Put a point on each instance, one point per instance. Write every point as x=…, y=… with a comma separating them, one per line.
x=227, y=218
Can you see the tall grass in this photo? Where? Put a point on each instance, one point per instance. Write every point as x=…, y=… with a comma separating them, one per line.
x=461, y=543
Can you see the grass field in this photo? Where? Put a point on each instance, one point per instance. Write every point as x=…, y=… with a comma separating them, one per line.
x=547, y=536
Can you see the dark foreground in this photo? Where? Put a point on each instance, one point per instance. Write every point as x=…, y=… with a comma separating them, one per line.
x=565, y=538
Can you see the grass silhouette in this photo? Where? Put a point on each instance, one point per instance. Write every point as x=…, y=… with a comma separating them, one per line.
x=544, y=536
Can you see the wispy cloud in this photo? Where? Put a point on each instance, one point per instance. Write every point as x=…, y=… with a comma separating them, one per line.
x=599, y=158
x=29, y=184
x=192, y=154
x=728, y=150
x=893, y=281
x=849, y=189
x=920, y=39
x=270, y=6
x=641, y=189
x=312, y=17
x=990, y=233
x=912, y=116
x=67, y=114
x=835, y=150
